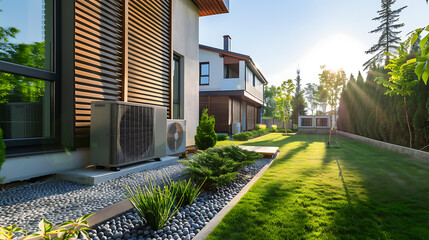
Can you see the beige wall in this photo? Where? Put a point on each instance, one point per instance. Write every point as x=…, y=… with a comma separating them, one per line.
x=185, y=44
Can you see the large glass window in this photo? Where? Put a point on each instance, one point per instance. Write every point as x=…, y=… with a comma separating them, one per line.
x=176, y=88
x=232, y=70
x=321, y=122
x=27, y=71
x=26, y=33
x=25, y=107
x=204, y=73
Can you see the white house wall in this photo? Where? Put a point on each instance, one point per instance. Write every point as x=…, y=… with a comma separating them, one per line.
x=26, y=167
x=185, y=44
x=217, y=82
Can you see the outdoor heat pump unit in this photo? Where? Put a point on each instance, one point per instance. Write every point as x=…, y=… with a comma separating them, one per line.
x=176, y=136
x=125, y=133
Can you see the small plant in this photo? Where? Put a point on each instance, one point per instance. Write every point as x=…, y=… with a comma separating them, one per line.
x=219, y=165
x=241, y=136
x=206, y=135
x=7, y=233
x=68, y=230
x=289, y=130
x=274, y=127
x=222, y=137
x=2, y=152
x=188, y=190
x=260, y=126
x=154, y=203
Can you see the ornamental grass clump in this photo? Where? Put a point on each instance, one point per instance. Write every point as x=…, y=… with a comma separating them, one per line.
x=155, y=204
x=188, y=190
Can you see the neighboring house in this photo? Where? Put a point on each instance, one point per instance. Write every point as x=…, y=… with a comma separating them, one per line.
x=80, y=51
x=231, y=88
x=313, y=124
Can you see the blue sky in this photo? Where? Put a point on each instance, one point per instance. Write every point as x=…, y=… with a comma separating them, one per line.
x=282, y=35
x=25, y=15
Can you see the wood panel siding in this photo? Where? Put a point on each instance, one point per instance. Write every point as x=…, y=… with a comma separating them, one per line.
x=98, y=59
x=219, y=107
x=123, y=52
x=236, y=111
x=250, y=121
x=149, y=50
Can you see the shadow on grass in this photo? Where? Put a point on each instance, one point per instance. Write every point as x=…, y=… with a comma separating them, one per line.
x=387, y=193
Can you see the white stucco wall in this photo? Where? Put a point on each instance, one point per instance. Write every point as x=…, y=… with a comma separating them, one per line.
x=185, y=44
x=26, y=167
x=217, y=82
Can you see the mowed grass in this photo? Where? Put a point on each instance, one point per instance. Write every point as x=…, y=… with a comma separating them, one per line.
x=303, y=195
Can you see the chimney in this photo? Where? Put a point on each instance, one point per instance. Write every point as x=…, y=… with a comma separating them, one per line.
x=227, y=43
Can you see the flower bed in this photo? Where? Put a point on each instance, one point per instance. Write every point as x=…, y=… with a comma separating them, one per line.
x=187, y=222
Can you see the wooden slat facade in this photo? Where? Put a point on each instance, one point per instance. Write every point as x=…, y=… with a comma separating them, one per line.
x=149, y=49
x=251, y=120
x=98, y=59
x=123, y=52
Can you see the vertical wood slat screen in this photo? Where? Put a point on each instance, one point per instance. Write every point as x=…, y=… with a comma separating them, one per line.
x=98, y=59
x=149, y=52
x=108, y=59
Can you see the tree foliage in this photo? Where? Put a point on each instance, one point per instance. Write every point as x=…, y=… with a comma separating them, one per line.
x=402, y=78
x=298, y=101
x=269, y=108
x=366, y=110
x=312, y=94
x=388, y=41
x=283, y=98
x=206, y=135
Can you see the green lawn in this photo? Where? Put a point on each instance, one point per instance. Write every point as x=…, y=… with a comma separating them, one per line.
x=379, y=195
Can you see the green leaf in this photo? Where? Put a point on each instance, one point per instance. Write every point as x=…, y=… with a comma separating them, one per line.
x=416, y=35
x=66, y=223
x=85, y=217
x=45, y=226
x=425, y=75
x=420, y=68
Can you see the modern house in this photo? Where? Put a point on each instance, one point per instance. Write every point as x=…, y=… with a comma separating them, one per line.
x=70, y=53
x=231, y=88
x=314, y=124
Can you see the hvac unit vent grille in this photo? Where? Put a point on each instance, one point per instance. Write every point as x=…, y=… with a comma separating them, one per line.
x=136, y=133
x=175, y=136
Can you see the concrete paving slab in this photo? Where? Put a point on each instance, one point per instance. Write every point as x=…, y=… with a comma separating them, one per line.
x=93, y=176
x=268, y=152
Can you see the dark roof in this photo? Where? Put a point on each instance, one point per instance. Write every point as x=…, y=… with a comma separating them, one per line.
x=236, y=55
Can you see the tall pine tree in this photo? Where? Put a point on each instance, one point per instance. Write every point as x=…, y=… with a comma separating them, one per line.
x=389, y=40
x=298, y=102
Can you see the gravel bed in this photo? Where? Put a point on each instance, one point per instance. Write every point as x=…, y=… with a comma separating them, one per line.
x=186, y=223
x=59, y=201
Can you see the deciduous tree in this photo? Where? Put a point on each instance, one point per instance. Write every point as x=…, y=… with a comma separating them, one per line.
x=283, y=98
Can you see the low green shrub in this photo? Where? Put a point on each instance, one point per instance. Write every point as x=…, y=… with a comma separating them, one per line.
x=155, y=204
x=188, y=190
x=222, y=137
x=274, y=127
x=288, y=130
x=241, y=136
x=68, y=230
x=218, y=165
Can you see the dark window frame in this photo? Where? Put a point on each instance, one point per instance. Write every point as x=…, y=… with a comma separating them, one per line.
x=179, y=84
x=227, y=70
x=306, y=122
x=319, y=122
x=208, y=75
x=32, y=144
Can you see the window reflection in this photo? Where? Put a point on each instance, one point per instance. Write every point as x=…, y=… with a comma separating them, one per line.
x=26, y=33
x=25, y=106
